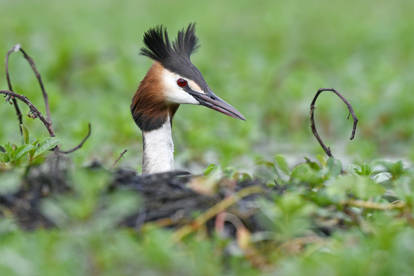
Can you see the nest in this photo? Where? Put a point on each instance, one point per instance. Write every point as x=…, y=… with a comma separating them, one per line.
x=171, y=199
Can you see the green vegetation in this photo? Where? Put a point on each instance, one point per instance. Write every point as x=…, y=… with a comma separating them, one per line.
x=266, y=58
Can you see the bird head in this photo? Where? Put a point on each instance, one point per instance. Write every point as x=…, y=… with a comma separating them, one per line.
x=172, y=80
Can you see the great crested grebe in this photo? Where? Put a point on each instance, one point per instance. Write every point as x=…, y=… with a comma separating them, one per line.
x=172, y=80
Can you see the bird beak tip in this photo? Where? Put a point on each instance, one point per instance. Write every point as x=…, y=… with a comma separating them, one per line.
x=239, y=116
x=214, y=102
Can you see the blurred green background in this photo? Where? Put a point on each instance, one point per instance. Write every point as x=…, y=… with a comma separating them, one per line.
x=267, y=58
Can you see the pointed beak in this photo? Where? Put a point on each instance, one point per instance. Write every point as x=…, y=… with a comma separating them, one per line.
x=212, y=101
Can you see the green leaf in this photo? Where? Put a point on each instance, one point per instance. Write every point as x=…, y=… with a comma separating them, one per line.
x=361, y=187
x=229, y=171
x=322, y=159
x=22, y=150
x=282, y=164
x=288, y=216
x=335, y=166
x=4, y=157
x=26, y=134
x=364, y=169
x=312, y=164
x=45, y=145
x=210, y=169
x=395, y=168
x=304, y=173
x=242, y=176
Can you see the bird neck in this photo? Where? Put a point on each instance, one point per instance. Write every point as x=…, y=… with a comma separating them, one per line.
x=158, y=149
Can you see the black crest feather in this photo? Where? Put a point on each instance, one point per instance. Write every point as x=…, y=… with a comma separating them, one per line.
x=174, y=56
x=159, y=47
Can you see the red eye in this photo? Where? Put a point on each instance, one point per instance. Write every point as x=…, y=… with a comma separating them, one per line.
x=181, y=82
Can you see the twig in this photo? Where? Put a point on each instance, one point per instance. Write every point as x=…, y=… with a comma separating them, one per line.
x=35, y=113
x=16, y=48
x=210, y=213
x=298, y=244
x=374, y=205
x=313, y=126
x=80, y=144
x=223, y=217
x=119, y=158
x=10, y=87
x=39, y=79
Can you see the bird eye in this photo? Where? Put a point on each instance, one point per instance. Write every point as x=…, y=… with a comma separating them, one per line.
x=181, y=82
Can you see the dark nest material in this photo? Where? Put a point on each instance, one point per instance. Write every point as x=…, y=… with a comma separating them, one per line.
x=41, y=182
x=171, y=199
x=167, y=199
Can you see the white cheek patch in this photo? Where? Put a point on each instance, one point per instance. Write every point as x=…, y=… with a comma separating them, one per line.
x=173, y=93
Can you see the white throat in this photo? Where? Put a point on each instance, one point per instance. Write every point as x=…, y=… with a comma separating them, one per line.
x=158, y=149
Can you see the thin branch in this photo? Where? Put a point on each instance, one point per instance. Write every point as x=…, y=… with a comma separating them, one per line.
x=16, y=48
x=119, y=158
x=375, y=205
x=34, y=112
x=312, y=118
x=10, y=87
x=81, y=143
x=39, y=79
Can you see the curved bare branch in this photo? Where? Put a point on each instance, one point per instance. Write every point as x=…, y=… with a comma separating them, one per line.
x=312, y=118
x=17, y=48
x=81, y=143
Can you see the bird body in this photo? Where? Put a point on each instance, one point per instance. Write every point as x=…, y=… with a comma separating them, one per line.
x=172, y=80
